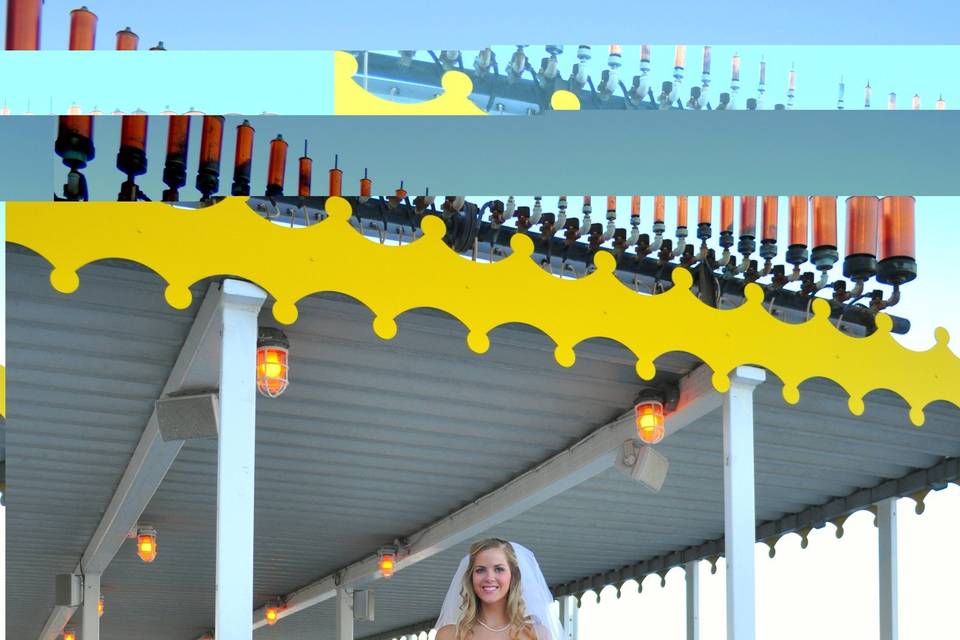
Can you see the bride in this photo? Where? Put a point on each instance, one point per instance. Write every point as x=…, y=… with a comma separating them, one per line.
x=498, y=593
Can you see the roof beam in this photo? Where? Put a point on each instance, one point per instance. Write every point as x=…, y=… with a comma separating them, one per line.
x=56, y=621
x=915, y=485
x=584, y=460
x=194, y=370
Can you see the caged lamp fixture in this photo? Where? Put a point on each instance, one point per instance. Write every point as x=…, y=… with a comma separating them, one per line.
x=273, y=350
x=147, y=544
x=387, y=561
x=272, y=612
x=648, y=413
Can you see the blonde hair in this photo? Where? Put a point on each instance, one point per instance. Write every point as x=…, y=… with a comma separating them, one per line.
x=521, y=625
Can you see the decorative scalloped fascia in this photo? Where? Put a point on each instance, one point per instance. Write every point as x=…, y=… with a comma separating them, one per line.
x=184, y=246
x=349, y=98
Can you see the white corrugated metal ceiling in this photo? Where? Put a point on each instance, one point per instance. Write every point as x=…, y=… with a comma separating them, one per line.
x=372, y=441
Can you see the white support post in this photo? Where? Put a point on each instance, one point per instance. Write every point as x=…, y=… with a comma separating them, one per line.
x=3, y=560
x=889, y=601
x=739, y=517
x=195, y=368
x=569, y=617
x=693, y=599
x=239, y=308
x=344, y=614
x=91, y=615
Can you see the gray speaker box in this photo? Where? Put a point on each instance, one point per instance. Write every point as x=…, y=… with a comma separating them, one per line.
x=644, y=464
x=68, y=590
x=188, y=416
x=363, y=605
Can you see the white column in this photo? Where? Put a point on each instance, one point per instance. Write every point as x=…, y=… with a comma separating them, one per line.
x=3, y=559
x=344, y=614
x=889, y=602
x=90, y=630
x=739, y=517
x=240, y=306
x=569, y=617
x=693, y=600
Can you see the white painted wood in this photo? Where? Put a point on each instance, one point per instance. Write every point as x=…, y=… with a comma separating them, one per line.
x=344, y=613
x=239, y=308
x=584, y=460
x=569, y=617
x=3, y=564
x=195, y=367
x=738, y=500
x=58, y=618
x=693, y=599
x=889, y=598
x=91, y=617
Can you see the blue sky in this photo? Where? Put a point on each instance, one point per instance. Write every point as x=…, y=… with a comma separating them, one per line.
x=248, y=82
x=926, y=70
x=388, y=24
x=824, y=591
x=297, y=82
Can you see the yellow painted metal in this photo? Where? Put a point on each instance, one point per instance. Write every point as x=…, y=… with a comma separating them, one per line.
x=349, y=98
x=184, y=246
x=564, y=101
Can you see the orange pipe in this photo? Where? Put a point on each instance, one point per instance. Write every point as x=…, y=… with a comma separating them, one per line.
x=799, y=232
x=366, y=186
x=611, y=203
x=278, y=162
x=704, y=210
x=726, y=214
x=306, y=176
x=748, y=216
x=127, y=40
x=177, y=135
x=770, y=218
x=243, y=154
x=824, y=221
x=83, y=29
x=23, y=25
x=78, y=125
x=336, y=182
x=133, y=132
x=681, y=211
x=897, y=227
x=211, y=140
x=634, y=205
x=863, y=221
x=659, y=203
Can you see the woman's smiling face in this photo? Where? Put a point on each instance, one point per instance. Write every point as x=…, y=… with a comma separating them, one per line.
x=491, y=575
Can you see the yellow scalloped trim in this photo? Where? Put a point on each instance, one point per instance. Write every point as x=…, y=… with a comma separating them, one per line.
x=564, y=101
x=184, y=246
x=349, y=98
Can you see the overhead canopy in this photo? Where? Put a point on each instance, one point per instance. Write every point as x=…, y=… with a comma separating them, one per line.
x=376, y=440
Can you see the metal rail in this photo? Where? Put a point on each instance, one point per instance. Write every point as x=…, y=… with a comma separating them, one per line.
x=563, y=254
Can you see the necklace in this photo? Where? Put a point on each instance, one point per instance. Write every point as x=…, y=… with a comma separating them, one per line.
x=489, y=628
